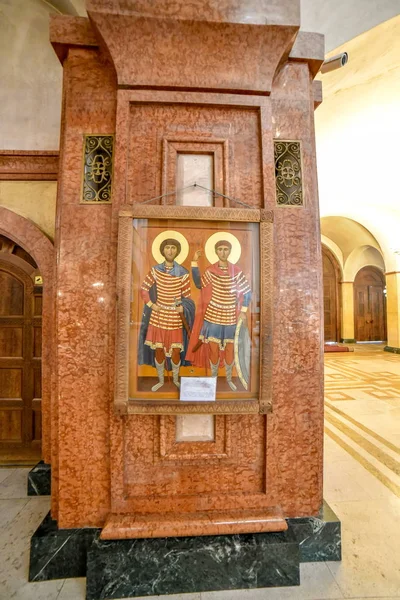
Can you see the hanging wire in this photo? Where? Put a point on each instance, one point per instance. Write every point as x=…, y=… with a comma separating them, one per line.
x=194, y=185
x=166, y=194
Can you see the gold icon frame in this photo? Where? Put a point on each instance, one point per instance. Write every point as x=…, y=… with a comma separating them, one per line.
x=123, y=403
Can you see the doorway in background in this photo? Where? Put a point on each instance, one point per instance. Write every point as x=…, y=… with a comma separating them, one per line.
x=20, y=356
x=369, y=305
x=332, y=312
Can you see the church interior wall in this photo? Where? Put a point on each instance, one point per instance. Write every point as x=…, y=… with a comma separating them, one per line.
x=31, y=100
x=31, y=109
x=343, y=20
x=33, y=200
x=357, y=130
x=334, y=248
x=355, y=125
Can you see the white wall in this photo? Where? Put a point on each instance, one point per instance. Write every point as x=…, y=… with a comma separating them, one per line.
x=30, y=78
x=357, y=133
x=30, y=74
x=342, y=20
x=362, y=257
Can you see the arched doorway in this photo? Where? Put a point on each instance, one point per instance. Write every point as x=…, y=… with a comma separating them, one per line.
x=331, y=278
x=369, y=305
x=20, y=355
x=37, y=245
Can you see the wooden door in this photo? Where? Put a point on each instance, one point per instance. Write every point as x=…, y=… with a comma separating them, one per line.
x=331, y=272
x=20, y=365
x=369, y=305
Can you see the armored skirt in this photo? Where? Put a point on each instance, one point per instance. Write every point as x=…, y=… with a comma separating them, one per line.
x=227, y=284
x=165, y=325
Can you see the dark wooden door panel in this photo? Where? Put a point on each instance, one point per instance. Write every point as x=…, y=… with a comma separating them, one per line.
x=37, y=419
x=38, y=302
x=11, y=339
x=37, y=381
x=12, y=295
x=10, y=383
x=37, y=342
x=362, y=326
x=331, y=297
x=20, y=360
x=11, y=424
x=369, y=305
x=377, y=312
x=330, y=310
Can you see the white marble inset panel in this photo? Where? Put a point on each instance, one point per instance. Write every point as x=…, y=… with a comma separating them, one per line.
x=191, y=169
x=195, y=428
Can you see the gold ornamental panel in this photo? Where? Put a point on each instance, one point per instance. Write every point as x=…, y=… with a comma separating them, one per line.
x=288, y=173
x=97, y=168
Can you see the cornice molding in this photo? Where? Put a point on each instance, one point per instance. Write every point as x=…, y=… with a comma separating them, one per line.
x=28, y=165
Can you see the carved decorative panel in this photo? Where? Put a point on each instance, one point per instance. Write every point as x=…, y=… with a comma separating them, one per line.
x=97, y=168
x=218, y=449
x=288, y=173
x=20, y=165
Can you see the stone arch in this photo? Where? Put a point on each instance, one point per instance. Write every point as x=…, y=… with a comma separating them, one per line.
x=27, y=235
x=334, y=249
x=360, y=257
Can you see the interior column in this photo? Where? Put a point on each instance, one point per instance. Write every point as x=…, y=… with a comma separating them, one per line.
x=347, y=288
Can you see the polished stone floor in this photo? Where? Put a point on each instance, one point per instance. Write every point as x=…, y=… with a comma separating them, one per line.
x=362, y=485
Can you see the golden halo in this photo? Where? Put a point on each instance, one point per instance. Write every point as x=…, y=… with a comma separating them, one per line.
x=155, y=248
x=216, y=237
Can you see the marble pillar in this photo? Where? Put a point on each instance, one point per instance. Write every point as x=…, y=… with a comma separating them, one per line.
x=235, y=74
x=347, y=291
x=393, y=311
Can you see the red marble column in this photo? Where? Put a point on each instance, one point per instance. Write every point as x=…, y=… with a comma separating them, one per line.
x=84, y=302
x=217, y=70
x=295, y=430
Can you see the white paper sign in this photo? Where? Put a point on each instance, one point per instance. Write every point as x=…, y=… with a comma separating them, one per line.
x=198, y=389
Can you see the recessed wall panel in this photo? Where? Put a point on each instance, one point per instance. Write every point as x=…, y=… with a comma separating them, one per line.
x=11, y=342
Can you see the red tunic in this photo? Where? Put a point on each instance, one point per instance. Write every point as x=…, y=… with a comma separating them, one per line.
x=165, y=326
x=226, y=288
x=222, y=294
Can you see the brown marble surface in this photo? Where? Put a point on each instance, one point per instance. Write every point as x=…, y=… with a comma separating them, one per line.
x=152, y=482
x=202, y=523
x=108, y=467
x=66, y=31
x=254, y=12
x=84, y=303
x=149, y=128
x=194, y=54
x=310, y=48
x=317, y=93
x=28, y=165
x=296, y=428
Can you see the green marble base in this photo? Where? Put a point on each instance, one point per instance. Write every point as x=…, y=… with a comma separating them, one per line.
x=145, y=567
x=162, y=566
x=39, y=480
x=392, y=349
x=319, y=538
